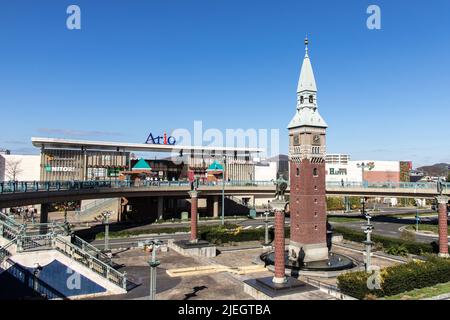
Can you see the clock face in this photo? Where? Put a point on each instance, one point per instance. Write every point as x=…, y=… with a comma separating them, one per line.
x=316, y=139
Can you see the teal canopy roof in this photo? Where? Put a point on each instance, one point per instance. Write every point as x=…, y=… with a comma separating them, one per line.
x=142, y=165
x=215, y=166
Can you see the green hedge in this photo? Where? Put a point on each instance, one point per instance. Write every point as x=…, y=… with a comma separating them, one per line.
x=219, y=235
x=397, y=279
x=412, y=247
x=168, y=230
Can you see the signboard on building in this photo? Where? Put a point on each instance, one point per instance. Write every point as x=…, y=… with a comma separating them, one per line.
x=164, y=139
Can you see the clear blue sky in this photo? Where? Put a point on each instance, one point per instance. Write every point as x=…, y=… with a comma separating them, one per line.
x=155, y=65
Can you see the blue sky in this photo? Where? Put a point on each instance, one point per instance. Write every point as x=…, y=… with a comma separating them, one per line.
x=157, y=65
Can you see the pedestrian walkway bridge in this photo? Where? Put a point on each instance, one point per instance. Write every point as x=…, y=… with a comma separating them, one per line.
x=14, y=194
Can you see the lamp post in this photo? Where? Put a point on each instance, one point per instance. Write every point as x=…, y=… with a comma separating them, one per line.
x=266, y=233
x=363, y=206
x=153, y=263
x=106, y=215
x=363, y=166
x=368, y=228
x=417, y=215
x=223, y=188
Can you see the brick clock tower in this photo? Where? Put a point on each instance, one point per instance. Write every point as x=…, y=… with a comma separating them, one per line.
x=307, y=133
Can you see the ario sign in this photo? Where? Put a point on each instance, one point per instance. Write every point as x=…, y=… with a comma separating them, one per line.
x=164, y=139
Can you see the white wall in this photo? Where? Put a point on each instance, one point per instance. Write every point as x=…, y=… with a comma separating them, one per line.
x=28, y=167
x=266, y=173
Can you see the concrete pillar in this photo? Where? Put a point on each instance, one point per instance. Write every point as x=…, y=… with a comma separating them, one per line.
x=279, y=248
x=216, y=206
x=160, y=208
x=43, y=218
x=194, y=207
x=443, y=226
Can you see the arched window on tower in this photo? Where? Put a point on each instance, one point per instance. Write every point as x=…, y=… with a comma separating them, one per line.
x=302, y=99
x=298, y=172
x=315, y=172
x=311, y=99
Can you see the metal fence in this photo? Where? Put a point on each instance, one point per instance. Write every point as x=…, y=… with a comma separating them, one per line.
x=36, y=186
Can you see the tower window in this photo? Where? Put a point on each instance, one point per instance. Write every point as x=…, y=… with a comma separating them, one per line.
x=315, y=172
x=298, y=172
x=311, y=99
x=302, y=99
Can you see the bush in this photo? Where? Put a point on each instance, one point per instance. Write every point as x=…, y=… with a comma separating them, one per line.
x=397, y=250
x=412, y=247
x=397, y=279
x=219, y=235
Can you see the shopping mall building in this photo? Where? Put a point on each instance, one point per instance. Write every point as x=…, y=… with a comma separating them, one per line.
x=63, y=159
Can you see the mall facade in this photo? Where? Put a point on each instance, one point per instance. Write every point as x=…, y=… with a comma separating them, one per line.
x=62, y=160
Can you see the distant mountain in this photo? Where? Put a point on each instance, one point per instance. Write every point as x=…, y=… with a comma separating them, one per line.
x=280, y=157
x=439, y=169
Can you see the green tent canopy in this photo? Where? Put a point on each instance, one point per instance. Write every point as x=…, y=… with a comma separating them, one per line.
x=142, y=165
x=215, y=166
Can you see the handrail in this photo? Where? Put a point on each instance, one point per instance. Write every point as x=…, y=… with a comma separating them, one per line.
x=90, y=261
x=86, y=246
x=4, y=252
x=35, y=186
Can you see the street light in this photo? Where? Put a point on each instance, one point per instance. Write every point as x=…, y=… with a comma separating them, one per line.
x=266, y=234
x=417, y=215
x=363, y=206
x=368, y=228
x=153, y=263
x=223, y=187
x=363, y=166
x=106, y=215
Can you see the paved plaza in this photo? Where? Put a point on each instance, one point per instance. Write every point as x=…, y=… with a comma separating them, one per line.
x=214, y=286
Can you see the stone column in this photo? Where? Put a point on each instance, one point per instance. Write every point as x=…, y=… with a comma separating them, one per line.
x=443, y=226
x=279, y=248
x=194, y=206
x=216, y=206
x=160, y=208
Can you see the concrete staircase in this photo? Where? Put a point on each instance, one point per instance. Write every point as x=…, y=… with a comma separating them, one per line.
x=24, y=246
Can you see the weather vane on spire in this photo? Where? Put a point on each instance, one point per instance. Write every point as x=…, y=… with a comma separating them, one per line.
x=306, y=43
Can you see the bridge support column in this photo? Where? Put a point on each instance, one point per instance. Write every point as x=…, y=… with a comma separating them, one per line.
x=43, y=218
x=443, y=226
x=160, y=208
x=194, y=210
x=216, y=206
x=279, y=248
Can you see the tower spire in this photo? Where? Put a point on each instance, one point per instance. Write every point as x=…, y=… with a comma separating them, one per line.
x=307, y=82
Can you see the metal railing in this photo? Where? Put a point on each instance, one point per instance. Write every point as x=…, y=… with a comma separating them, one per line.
x=36, y=186
x=86, y=246
x=96, y=204
x=33, y=282
x=86, y=259
x=4, y=252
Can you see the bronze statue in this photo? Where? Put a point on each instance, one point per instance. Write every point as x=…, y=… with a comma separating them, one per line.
x=281, y=188
x=440, y=187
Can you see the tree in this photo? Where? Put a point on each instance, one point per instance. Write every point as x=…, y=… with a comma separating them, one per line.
x=448, y=177
x=13, y=169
